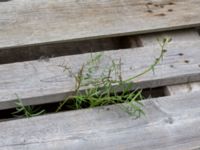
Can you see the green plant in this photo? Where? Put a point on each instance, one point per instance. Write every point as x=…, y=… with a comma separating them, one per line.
x=104, y=88
x=26, y=111
x=162, y=44
x=108, y=87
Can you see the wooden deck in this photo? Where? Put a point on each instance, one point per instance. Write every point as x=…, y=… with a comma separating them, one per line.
x=171, y=122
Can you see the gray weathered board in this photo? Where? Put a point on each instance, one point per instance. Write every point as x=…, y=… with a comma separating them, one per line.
x=171, y=123
x=27, y=22
x=37, y=82
x=182, y=88
x=178, y=37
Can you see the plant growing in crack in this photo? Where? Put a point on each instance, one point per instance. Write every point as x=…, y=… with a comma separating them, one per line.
x=106, y=86
x=97, y=86
x=26, y=111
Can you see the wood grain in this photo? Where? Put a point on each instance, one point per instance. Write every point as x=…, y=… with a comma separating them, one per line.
x=37, y=82
x=170, y=123
x=28, y=22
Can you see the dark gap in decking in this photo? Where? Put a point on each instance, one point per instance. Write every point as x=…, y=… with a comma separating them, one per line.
x=35, y=52
x=6, y=115
x=4, y=0
x=198, y=30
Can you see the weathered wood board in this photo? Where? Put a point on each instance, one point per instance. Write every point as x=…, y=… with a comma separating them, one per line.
x=178, y=37
x=29, y=22
x=170, y=123
x=37, y=82
x=182, y=88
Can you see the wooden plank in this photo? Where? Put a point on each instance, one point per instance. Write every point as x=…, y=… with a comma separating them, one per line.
x=182, y=88
x=27, y=22
x=170, y=123
x=178, y=36
x=182, y=36
x=37, y=82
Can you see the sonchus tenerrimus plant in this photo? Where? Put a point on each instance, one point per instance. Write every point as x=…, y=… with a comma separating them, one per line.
x=104, y=86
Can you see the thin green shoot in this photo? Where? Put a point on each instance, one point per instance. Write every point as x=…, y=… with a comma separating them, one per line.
x=26, y=111
x=103, y=91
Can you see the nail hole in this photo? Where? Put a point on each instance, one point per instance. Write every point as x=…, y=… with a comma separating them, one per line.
x=199, y=65
x=170, y=10
x=107, y=109
x=171, y=3
x=156, y=5
x=162, y=14
x=162, y=6
x=149, y=3
x=186, y=61
x=180, y=54
x=164, y=50
x=172, y=66
x=150, y=11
